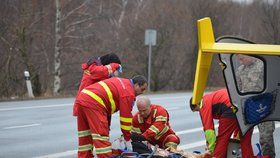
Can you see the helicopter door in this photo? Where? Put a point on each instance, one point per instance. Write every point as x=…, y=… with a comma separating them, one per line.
x=253, y=83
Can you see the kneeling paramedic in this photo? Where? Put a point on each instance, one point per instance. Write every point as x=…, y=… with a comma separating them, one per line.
x=216, y=105
x=151, y=124
x=96, y=103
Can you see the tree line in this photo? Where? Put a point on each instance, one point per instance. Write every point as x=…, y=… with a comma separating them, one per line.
x=51, y=39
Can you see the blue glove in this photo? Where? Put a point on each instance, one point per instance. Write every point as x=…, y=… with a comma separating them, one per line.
x=120, y=69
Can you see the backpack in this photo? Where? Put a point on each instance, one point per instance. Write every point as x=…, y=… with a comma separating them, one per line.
x=256, y=108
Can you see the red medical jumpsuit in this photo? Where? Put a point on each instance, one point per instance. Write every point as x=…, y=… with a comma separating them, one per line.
x=216, y=105
x=94, y=73
x=96, y=103
x=156, y=128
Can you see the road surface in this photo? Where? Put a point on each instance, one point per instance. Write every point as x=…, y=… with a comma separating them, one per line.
x=47, y=129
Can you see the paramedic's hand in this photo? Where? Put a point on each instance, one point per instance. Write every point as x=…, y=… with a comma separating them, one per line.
x=128, y=145
x=118, y=72
x=193, y=106
x=137, y=137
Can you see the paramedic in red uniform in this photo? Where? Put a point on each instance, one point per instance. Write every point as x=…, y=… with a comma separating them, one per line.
x=98, y=69
x=96, y=103
x=216, y=105
x=151, y=123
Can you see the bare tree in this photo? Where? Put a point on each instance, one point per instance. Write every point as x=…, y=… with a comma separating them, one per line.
x=52, y=39
x=270, y=21
x=57, y=51
x=17, y=37
x=71, y=17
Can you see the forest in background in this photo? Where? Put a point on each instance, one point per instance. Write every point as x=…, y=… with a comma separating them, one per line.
x=52, y=38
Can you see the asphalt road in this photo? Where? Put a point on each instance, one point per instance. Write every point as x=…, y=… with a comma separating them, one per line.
x=46, y=128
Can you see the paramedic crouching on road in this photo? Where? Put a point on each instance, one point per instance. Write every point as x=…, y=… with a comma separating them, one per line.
x=151, y=124
x=96, y=103
x=216, y=105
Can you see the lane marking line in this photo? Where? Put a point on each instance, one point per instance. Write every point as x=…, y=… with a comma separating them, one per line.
x=192, y=130
x=69, y=104
x=35, y=107
x=22, y=126
x=59, y=155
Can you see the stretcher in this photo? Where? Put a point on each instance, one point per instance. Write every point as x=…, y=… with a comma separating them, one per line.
x=155, y=154
x=147, y=150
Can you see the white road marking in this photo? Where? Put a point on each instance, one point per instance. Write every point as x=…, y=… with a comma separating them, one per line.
x=35, y=107
x=22, y=126
x=58, y=155
x=182, y=147
x=70, y=104
x=191, y=130
x=192, y=145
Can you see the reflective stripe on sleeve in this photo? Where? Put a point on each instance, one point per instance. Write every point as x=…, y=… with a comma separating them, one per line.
x=110, y=95
x=110, y=71
x=136, y=130
x=124, y=127
x=166, y=128
x=154, y=129
x=161, y=118
x=87, y=72
x=201, y=103
x=126, y=119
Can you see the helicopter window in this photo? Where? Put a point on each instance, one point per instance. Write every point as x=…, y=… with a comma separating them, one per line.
x=249, y=73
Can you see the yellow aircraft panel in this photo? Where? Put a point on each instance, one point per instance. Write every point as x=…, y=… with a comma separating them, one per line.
x=234, y=48
x=207, y=47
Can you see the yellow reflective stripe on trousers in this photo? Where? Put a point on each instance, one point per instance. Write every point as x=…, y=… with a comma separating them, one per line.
x=99, y=137
x=94, y=96
x=103, y=150
x=86, y=147
x=84, y=133
x=126, y=119
x=124, y=127
x=110, y=95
